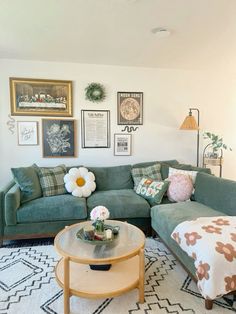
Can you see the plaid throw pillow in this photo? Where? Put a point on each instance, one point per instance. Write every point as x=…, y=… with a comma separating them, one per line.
x=52, y=180
x=152, y=172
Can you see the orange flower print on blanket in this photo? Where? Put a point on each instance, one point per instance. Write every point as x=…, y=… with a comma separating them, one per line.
x=177, y=237
x=221, y=222
x=227, y=249
x=233, y=236
x=230, y=283
x=191, y=238
x=212, y=229
x=202, y=271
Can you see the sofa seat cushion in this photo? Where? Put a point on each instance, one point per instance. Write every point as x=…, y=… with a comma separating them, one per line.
x=120, y=203
x=53, y=208
x=168, y=216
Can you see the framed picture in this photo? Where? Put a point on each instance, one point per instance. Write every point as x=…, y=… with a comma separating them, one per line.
x=27, y=133
x=58, y=138
x=95, y=128
x=35, y=97
x=130, y=108
x=122, y=144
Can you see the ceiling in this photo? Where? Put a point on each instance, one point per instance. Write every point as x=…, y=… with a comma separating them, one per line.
x=118, y=32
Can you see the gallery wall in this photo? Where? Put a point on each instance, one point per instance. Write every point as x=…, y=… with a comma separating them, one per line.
x=167, y=96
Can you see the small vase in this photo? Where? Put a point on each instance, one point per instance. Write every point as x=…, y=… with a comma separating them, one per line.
x=99, y=226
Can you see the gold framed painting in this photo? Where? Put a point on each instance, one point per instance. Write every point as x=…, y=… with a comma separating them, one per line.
x=39, y=97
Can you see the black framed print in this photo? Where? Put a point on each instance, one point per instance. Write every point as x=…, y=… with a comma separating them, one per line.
x=58, y=138
x=130, y=108
x=122, y=144
x=95, y=128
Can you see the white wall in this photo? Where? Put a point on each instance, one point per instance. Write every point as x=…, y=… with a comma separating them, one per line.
x=167, y=96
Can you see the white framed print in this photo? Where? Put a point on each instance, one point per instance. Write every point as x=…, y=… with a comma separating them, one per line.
x=27, y=133
x=122, y=144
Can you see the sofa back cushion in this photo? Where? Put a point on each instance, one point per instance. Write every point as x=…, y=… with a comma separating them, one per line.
x=165, y=164
x=28, y=181
x=165, y=169
x=217, y=193
x=112, y=178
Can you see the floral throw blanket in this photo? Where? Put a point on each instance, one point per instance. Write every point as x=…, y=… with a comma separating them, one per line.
x=211, y=242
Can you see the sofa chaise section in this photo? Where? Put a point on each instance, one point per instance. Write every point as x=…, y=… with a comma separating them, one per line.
x=164, y=219
x=213, y=197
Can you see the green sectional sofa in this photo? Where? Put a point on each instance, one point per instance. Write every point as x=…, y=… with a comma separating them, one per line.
x=46, y=216
x=213, y=197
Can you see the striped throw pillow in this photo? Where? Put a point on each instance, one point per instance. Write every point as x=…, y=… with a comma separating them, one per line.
x=52, y=180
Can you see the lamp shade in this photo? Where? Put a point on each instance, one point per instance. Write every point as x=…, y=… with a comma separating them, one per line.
x=189, y=124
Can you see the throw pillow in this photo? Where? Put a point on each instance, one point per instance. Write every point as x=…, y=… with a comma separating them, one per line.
x=190, y=173
x=28, y=181
x=152, y=191
x=165, y=168
x=180, y=188
x=80, y=182
x=152, y=172
x=52, y=180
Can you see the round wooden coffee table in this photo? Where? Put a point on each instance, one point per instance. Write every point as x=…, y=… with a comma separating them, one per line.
x=125, y=254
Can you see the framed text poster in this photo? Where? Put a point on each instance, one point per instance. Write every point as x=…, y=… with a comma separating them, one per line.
x=95, y=128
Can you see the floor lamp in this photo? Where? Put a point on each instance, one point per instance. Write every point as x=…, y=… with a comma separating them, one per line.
x=191, y=124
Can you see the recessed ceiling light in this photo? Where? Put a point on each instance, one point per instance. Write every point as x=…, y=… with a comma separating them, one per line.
x=161, y=32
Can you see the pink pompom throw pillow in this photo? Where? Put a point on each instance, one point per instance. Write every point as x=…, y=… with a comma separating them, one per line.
x=180, y=188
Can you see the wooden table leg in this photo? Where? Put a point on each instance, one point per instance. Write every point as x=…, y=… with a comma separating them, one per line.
x=141, y=276
x=66, y=286
x=208, y=304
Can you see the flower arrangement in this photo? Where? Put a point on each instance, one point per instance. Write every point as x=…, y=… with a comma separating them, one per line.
x=98, y=215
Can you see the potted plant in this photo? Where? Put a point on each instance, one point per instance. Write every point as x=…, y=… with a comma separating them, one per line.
x=216, y=144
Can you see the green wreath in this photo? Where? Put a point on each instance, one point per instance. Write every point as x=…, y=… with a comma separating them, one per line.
x=95, y=92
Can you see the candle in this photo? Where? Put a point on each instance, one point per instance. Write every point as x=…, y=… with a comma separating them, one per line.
x=108, y=234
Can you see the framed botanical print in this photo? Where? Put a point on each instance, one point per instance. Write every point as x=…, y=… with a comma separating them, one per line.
x=39, y=97
x=95, y=128
x=122, y=144
x=27, y=133
x=130, y=108
x=58, y=138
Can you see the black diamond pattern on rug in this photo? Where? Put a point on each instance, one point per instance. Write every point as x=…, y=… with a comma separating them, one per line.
x=28, y=285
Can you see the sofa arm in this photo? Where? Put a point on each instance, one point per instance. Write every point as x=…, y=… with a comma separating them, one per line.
x=12, y=203
x=3, y=192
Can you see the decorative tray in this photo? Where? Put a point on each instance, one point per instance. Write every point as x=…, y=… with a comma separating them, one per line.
x=80, y=235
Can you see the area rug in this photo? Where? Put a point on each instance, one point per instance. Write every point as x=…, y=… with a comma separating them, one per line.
x=28, y=286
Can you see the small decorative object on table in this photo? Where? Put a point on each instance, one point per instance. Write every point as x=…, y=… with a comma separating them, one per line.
x=98, y=215
x=98, y=233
